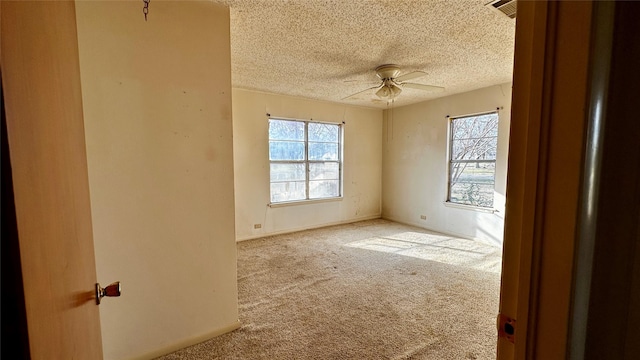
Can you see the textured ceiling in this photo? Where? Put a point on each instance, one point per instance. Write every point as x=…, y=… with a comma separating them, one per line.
x=328, y=50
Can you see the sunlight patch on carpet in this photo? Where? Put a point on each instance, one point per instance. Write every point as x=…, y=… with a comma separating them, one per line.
x=439, y=248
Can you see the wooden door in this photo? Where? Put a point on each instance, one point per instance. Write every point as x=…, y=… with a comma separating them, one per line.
x=556, y=190
x=43, y=104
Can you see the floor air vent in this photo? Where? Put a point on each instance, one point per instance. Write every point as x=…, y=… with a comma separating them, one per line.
x=507, y=7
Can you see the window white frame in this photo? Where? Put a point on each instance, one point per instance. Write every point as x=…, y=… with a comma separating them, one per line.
x=307, y=162
x=480, y=152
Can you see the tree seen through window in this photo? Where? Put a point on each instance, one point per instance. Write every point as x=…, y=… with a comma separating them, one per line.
x=472, y=159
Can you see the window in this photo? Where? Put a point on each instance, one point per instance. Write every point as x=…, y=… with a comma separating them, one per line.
x=472, y=159
x=305, y=160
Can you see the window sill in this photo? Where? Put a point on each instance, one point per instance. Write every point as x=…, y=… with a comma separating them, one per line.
x=470, y=207
x=303, y=202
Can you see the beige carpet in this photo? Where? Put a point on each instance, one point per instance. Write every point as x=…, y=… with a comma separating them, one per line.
x=368, y=290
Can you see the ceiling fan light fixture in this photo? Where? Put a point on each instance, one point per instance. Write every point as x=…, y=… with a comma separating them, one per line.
x=383, y=92
x=395, y=91
x=388, y=90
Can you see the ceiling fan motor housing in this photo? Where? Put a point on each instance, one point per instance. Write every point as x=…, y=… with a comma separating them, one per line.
x=388, y=71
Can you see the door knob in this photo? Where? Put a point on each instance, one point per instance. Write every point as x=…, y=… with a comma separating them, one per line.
x=112, y=290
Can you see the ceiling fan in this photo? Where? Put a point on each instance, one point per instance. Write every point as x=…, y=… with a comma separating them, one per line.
x=392, y=82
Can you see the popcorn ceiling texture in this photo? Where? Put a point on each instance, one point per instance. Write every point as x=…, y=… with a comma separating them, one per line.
x=328, y=50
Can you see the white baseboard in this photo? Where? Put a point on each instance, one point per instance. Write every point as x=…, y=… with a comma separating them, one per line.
x=450, y=233
x=292, y=230
x=422, y=226
x=188, y=342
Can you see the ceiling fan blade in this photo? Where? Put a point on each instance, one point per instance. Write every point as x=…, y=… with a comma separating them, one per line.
x=361, y=92
x=422, y=87
x=410, y=76
x=360, y=82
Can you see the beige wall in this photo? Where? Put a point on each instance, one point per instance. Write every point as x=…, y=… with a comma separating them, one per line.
x=362, y=164
x=415, y=164
x=157, y=108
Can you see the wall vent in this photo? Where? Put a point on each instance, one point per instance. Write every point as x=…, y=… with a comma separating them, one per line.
x=507, y=7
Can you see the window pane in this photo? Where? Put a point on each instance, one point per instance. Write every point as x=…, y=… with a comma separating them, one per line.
x=475, y=126
x=323, y=151
x=288, y=191
x=474, y=149
x=473, y=183
x=324, y=132
x=471, y=172
x=474, y=137
x=324, y=171
x=286, y=150
x=474, y=141
x=324, y=188
x=291, y=156
x=286, y=130
x=284, y=172
x=472, y=194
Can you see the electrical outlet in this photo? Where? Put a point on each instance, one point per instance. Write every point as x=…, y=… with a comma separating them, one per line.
x=423, y=217
x=257, y=226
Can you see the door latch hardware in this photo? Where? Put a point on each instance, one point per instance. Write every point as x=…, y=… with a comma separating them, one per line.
x=112, y=290
x=507, y=328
